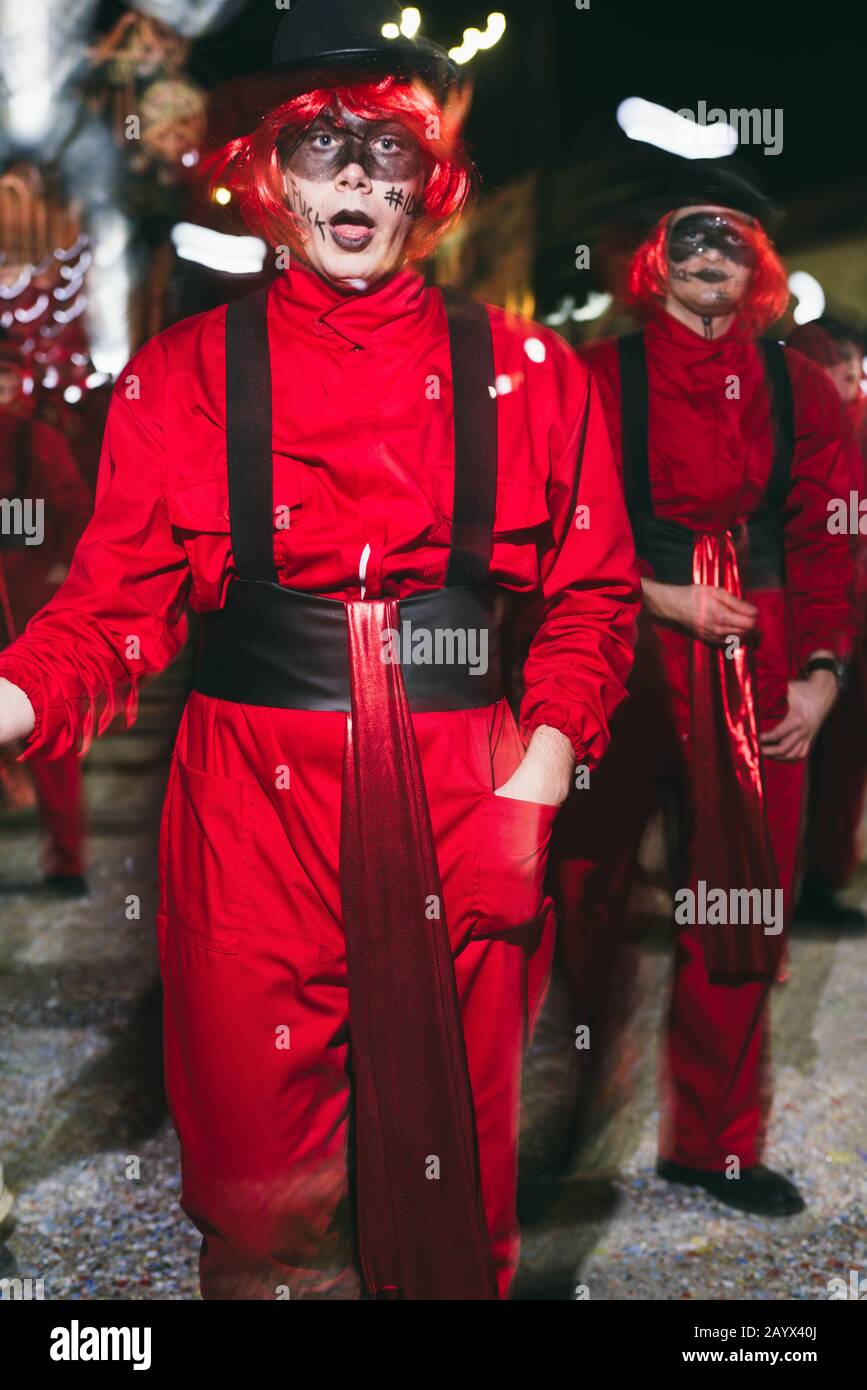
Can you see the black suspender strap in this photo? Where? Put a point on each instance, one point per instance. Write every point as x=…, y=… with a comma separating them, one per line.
x=634, y=407
x=634, y=411
x=248, y=437
x=782, y=419
x=475, y=417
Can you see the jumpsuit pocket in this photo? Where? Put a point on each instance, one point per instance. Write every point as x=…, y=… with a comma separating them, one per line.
x=207, y=857
x=514, y=837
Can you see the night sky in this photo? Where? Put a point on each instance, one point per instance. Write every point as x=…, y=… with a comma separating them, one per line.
x=548, y=92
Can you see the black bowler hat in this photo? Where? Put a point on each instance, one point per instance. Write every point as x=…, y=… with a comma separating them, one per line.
x=317, y=36
x=707, y=181
x=664, y=182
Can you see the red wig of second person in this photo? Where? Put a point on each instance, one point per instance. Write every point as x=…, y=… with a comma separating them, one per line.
x=765, y=300
x=252, y=165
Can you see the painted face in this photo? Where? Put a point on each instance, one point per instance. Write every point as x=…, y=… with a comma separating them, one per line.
x=710, y=260
x=846, y=376
x=357, y=187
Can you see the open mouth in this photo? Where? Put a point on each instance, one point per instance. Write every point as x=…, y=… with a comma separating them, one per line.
x=710, y=277
x=351, y=230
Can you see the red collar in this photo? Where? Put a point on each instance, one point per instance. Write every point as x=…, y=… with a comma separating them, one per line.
x=665, y=325
x=356, y=319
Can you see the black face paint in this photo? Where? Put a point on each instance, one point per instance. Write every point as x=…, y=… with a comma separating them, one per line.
x=384, y=149
x=699, y=232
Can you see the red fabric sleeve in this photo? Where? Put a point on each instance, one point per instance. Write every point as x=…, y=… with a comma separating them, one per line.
x=575, y=674
x=119, y=615
x=57, y=479
x=819, y=570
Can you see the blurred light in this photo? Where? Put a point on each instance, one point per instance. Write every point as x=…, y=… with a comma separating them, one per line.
x=410, y=22
x=27, y=385
x=70, y=253
x=503, y=385
x=81, y=267
x=67, y=315
x=234, y=255
x=596, y=306
x=34, y=312
x=476, y=39
x=391, y=31
x=70, y=291
x=535, y=349
x=17, y=287
x=51, y=378
x=72, y=394
x=190, y=158
x=810, y=297
x=30, y=109
x=79, y=359
x=96, y=379
x=222, y=196
x=108, y=360
x=656, y=125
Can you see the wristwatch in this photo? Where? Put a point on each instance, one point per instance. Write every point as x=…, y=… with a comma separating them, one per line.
x=827, y=663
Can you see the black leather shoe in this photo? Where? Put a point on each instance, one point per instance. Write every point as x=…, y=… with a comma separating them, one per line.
x=758, y=1189
x=66, y=885
x=818, y=903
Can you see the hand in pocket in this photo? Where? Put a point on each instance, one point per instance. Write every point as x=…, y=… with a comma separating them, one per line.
x=513, y=849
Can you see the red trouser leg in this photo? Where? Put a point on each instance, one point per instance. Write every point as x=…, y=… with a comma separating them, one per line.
x=718, y=1086
x=838, y=778
x=715, y=1099
x=258, y=1054
x=59, y=792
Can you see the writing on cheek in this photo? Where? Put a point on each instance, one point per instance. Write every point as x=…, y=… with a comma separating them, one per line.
x=397, y=199
x=305, y=209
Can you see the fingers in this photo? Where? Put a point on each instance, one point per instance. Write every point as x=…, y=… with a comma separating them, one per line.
x=735, y=604
x=790, y=750
x=788, y=725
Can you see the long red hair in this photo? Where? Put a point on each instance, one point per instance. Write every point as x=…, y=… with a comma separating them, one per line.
x=251, y=167
x=767, y=294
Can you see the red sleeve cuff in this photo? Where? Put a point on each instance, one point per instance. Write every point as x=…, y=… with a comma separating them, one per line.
x=559, y=717
x=19, y=673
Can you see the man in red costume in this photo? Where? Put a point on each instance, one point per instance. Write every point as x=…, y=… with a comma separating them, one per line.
x=838, y=767
x=37, y=470
x=730, y=451
x=352, y=928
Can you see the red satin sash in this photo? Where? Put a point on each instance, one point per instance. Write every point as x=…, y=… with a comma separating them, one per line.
x=731, y=846
x=422, y=1228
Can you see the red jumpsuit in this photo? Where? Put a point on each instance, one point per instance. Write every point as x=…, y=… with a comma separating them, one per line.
x=838, y=767
x=53, y=477
x=710, y=451
x=250, y=935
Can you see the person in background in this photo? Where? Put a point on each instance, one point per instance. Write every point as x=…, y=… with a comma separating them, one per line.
x=37, y=467
x=838, y=765
x=730, y=448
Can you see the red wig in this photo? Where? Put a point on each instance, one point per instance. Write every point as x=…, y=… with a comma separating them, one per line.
x=251, y=167
x=767, y=294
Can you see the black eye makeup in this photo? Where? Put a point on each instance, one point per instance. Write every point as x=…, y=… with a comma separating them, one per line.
x=699, y=232
x=327, y=148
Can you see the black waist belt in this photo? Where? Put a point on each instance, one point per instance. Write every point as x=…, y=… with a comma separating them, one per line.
x=668, y=547
x=287, y=649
